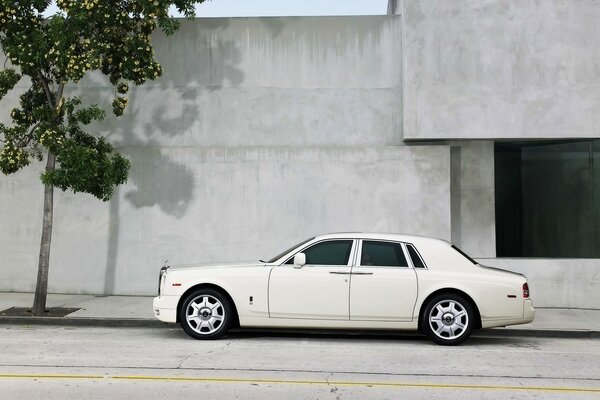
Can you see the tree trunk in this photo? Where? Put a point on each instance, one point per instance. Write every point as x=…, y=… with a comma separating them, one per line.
x=41, y=289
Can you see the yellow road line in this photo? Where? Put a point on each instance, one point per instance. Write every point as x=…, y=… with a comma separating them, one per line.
x=398, y=385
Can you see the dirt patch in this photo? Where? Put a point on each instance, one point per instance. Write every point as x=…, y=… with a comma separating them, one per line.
x=57, y=312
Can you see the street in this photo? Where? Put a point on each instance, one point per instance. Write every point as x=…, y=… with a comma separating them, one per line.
x=153, y=363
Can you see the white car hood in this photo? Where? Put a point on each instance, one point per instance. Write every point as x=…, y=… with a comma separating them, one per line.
x=236, y=264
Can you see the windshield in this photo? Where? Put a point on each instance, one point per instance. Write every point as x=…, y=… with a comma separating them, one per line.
x=283, y=253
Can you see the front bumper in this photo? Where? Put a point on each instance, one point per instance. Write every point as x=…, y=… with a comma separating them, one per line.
x=165, y=308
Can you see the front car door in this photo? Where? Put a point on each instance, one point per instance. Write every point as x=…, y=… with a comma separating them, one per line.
x=383, y=286
x=317, y=290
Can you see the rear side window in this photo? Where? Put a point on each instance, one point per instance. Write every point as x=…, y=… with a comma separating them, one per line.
x=415, y=257
x=464, y=254
x=382, y=254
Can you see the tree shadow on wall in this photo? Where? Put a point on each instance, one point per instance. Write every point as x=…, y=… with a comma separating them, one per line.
x=162, y=115
x=159, y=180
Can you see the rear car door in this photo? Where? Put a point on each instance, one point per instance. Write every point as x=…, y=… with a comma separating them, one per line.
x=383, y=286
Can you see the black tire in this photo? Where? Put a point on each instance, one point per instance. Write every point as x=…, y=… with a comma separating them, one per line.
x=448, y=319
x=206, y=314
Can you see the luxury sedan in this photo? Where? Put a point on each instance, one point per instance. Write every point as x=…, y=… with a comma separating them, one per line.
x=348, y=281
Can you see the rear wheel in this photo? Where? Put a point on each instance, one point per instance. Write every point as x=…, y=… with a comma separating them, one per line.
x=206, y=314
x=448, y=319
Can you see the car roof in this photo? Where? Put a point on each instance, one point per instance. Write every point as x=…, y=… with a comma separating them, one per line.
x=380, y=236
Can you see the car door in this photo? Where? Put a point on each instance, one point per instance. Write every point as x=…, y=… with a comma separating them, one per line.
x=383, y=286
x=317, y=290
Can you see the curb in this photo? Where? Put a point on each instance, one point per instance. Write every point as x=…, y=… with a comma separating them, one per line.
x=539, y=333
x=151, y=323
x=98, y=322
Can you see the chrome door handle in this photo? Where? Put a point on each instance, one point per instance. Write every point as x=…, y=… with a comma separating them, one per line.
x=339, y=273
x=362, y=273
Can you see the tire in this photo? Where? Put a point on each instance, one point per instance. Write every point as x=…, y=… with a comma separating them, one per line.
x=448, y=319
x=206, y=314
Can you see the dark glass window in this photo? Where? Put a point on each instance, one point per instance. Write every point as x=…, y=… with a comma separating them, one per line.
x=333, y=252
x=382, y=254
x=414, y=256
x=547, y=199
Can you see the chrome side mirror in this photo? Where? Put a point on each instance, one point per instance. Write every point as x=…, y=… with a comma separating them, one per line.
x=299, y=260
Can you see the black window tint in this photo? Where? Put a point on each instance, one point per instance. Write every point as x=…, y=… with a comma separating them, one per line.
x=547, y=199
x=414, y=256
x=334, y=252
x=382, y=254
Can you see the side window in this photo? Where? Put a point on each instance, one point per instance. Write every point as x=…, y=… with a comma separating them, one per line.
x=383, y=254
x=333, y=252
x=414, y=256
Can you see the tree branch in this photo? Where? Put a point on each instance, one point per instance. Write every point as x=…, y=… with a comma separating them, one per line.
x=46, y=89
x=29, y=136
x=59, y=93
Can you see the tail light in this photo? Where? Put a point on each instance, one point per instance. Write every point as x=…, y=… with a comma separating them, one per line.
x=525, y=290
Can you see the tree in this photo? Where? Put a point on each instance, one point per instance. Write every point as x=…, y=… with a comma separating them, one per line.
x=52, y=55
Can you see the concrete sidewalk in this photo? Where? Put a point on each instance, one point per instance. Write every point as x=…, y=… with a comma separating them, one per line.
x=136, y=311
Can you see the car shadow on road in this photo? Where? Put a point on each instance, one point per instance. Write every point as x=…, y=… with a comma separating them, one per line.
x=239, y=334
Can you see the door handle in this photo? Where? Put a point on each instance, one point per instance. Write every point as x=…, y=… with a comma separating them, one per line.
x=339, y=273
x=362, y=273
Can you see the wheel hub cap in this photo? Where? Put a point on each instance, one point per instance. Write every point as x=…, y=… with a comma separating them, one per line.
x=448, y=319
x=205, y=313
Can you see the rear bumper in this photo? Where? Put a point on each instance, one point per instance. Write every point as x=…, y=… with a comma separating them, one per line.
x=165, y=308
x=528, y=311
x=528, y=315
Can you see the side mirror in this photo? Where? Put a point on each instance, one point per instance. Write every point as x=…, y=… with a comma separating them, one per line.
x=299, y=260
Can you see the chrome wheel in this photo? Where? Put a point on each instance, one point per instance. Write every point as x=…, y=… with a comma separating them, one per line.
x=205, y=314
x=448, y=319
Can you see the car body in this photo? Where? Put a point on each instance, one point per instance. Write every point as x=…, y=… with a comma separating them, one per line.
x=348, y=281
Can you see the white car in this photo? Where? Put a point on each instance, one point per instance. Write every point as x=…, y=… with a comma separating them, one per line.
x=348, y=281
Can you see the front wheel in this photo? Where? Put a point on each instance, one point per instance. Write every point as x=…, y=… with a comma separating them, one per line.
x=206, y=314
x=448, y=319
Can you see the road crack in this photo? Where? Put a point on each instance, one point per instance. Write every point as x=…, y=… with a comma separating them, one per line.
x=332, y=388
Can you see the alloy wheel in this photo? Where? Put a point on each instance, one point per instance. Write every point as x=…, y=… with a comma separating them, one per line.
x=205, y=314
x=448, y=319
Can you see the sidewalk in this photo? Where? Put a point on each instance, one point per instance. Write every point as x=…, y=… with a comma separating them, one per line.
x=136, y=311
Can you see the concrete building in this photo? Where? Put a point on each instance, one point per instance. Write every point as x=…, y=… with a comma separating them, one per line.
x=473, y=121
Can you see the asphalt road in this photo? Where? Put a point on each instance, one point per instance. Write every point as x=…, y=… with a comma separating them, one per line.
x=129, y=363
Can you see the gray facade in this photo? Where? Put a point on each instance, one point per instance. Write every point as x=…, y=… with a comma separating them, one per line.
x=501, y=69
x=265, y=131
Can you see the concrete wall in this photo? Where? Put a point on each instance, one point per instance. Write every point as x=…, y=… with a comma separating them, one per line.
x=570, y=283
x=472, y=197
x=312, y=81
x=501, y=69
x=211, y=204
x=262, y=132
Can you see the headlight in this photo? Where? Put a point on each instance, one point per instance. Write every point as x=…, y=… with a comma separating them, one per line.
x=161, y=278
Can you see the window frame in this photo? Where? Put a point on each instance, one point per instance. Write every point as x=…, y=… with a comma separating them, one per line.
x=351, y=256
x=358, y=255
x=418, y=254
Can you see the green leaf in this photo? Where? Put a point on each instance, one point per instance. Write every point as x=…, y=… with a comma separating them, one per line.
x=107, y=36
x=8, y=79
